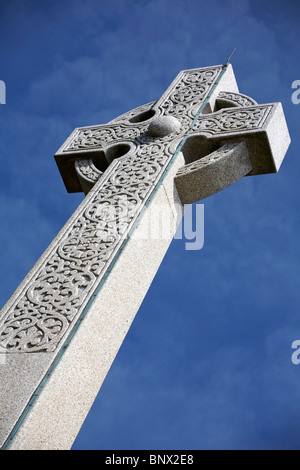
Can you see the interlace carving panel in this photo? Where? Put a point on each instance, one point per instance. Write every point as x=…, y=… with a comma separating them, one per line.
x=233, y=120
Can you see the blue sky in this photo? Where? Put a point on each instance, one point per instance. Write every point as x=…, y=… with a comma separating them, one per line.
x=207, y=362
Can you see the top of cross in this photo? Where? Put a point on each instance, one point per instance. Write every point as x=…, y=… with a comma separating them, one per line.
x=199, y=112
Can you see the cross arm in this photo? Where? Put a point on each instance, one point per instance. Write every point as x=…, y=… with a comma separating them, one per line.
x=231, y=143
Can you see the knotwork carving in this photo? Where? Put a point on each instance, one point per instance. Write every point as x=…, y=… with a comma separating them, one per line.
x=87, y=170
x=233, y=120
x=236, y=99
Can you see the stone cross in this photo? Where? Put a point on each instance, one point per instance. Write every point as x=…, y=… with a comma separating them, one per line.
x=61, y=329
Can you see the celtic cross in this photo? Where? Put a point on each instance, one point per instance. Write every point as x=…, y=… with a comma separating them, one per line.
x=201, y=136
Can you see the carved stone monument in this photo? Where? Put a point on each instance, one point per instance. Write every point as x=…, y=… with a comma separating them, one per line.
x=61, y=329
